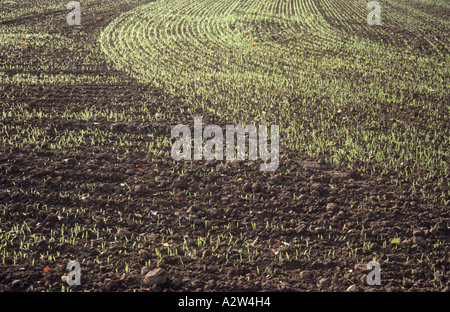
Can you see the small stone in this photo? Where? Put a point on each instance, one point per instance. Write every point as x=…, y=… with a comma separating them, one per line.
x=332, y=207
x=256, y=187
x=418, y=232
x=405, y=243
x=213, y=211
x=145, y=270
x=156, y=277
x=129, y=171
x=123, y=233
x=64, y=279
x=352, y=288
x=324, y=282
x=317, y=187
x=144, y=255
x=247, y=187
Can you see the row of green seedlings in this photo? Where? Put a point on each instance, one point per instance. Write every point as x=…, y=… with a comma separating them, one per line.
x=396, y=100
x=192, y=253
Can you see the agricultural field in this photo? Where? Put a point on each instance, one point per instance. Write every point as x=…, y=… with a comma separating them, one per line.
x=87, y=174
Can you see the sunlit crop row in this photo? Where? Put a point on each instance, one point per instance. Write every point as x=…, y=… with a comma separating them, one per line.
x=314, y=67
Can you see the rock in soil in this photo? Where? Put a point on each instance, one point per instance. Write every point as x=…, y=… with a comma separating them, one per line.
x=324, y=282
x=256, y=187
x=247, y=187
x=332, y=207
x=156, y=277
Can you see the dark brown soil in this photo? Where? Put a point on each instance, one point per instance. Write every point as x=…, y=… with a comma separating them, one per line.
x=308, y=227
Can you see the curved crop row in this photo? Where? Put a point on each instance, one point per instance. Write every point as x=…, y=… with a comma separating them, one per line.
x=297, y=63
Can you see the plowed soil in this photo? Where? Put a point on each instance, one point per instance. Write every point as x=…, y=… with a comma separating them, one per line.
x=213, y=226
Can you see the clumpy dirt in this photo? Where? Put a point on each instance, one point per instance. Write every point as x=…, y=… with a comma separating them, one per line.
x=331, y=215
x=139, y=221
